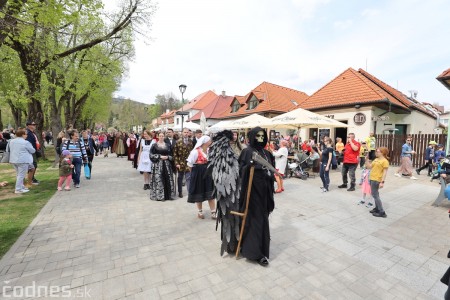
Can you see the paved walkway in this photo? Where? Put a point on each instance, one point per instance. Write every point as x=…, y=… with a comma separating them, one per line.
x=107, y=240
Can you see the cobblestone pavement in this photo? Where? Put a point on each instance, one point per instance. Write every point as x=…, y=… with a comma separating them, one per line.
x=107, y=240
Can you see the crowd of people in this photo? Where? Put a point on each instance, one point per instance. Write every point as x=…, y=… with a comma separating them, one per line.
x=176, y=164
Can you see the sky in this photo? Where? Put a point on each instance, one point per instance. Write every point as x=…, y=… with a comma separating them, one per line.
x=234, y=45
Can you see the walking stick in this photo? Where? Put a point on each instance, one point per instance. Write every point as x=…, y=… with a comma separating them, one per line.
x=244, y=215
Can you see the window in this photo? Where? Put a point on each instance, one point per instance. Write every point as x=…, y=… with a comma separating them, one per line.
x=253, y=103
x=235, y=106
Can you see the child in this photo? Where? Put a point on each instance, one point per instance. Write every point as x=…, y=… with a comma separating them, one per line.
x=363, y=152
x=65, y=170
x=439, y=157
x=365, y=184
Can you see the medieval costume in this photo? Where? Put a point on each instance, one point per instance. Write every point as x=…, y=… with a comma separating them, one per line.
x=224, y=168
x=131, y=147
x=256, y=237
x=201, y=185
x=119, y=145
x=181, y=152
x=161, y=185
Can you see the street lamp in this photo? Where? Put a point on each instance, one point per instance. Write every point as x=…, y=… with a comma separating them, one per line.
x=182, y=113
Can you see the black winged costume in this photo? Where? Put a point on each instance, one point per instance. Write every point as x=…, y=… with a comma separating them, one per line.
x=231, y=179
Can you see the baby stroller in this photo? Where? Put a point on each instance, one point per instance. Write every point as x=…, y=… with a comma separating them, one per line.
x=298, y=167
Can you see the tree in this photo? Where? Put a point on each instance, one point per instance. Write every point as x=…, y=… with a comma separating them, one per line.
x=167, y=101
x=49, y=31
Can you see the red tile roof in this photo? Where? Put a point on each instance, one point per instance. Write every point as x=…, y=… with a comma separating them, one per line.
x=201, y=101
x=444, y=74
x=215, y=108
x=358, y=87
x=272, y=98
x=444, y=78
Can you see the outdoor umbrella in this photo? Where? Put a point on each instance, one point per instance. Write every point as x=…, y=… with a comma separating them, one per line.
x=188, y=125
x=247, y=122
x=302, y=118
x=203, y=124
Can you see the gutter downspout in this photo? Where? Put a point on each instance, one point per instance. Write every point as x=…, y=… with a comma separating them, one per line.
x=388, y=111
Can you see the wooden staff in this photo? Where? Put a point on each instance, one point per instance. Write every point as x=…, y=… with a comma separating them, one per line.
x=244, y=214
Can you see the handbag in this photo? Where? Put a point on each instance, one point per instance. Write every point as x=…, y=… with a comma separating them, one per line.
x=38, y=153
x=87, y=171
x=5, y=158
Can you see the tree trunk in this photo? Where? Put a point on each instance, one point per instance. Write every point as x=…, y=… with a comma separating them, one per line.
x=1, y=121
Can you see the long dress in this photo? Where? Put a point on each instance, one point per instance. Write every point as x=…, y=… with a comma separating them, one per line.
x=201, y=185
x=131, y=143
x=256, y=238
x=145, y=164
x=162, y=185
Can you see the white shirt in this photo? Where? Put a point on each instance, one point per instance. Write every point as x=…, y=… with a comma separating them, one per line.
x=193, y=156
x=281, y=158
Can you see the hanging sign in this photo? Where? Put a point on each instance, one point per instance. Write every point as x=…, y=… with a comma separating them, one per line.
x=359, y=119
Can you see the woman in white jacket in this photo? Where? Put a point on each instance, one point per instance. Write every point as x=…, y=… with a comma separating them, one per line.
x=280, y=164
x=21, y=157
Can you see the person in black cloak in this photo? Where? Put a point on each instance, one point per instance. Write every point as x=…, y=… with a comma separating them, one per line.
x=255, y=242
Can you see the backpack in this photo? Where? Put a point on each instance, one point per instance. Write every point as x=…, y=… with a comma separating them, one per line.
x=334, y=161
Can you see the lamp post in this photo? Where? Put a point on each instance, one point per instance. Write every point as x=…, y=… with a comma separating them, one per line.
x=182, y=113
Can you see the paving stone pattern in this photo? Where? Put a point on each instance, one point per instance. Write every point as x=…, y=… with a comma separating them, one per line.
x=108, y=240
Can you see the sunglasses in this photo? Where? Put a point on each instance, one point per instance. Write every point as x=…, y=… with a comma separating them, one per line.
x=260, y=135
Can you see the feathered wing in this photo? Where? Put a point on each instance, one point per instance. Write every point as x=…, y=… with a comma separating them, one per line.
x=224, y=168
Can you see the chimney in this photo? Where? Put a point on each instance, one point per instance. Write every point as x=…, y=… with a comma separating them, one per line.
x=223, y=94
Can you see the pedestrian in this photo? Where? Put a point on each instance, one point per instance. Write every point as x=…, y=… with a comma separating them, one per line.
x=371, y=143
x=255, y=244
x=339, y=148
x=365, y=185
x=79, y=155
x=429, y=158
x=350, y=162
x=198, y=134
x=162, y=186
x=406, y=167
x=144, y=164
x=439, y=157
x=182, y=149
x=131, y=146
x=236, y=144
x=34, y=141
x=201, y=186
x=378, y=171
x=65, y=170
x=21, y=157
x=325, y=164
x=280, y=164
x=90, y=146
x=363, y=153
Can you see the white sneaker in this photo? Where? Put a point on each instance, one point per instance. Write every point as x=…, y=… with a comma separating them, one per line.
x=21, y=191
x=398, y=175
x=413, y=178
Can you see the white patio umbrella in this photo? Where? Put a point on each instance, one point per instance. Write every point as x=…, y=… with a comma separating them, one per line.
x=247, y=122
x=302, y=118
x=219, y=126
x=203, y=124
x=188, y=125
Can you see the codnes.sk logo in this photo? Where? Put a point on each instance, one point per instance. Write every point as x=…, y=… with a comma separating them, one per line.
x=36, y=291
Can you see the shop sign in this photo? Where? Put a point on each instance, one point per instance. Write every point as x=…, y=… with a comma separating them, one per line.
x=359, y=119
x=380, y=118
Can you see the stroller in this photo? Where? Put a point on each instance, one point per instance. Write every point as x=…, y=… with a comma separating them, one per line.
x=299, y=165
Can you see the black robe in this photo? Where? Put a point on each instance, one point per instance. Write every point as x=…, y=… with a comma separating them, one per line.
x=256, y=238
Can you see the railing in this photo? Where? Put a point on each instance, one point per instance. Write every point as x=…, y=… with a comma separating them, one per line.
x=419, y=144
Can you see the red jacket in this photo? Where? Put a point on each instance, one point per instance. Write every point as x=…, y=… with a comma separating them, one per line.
x=351, y=156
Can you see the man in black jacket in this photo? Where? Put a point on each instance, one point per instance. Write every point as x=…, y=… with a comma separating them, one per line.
x=33, y=139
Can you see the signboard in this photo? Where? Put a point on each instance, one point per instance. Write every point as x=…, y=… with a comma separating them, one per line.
x=359, y=119
x=380, y=118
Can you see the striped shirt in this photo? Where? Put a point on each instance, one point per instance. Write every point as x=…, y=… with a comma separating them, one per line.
x=77, y=149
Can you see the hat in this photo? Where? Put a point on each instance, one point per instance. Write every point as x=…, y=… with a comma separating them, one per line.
x=65, y=152
x=432, y=143
x=31, y=123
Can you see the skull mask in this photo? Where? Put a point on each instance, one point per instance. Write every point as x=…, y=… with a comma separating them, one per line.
x=259, y=137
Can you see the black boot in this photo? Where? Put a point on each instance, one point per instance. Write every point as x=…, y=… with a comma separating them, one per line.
x=146, y=186
x=342, y=186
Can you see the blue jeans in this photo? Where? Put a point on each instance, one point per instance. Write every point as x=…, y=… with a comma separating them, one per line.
x=374, y=187
x=324, y=175
x=76, y=171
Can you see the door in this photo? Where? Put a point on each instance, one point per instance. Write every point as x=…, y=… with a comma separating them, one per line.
x=401, y=129
x=341, y=132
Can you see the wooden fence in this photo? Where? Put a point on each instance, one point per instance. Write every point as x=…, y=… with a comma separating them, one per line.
x=419, y=144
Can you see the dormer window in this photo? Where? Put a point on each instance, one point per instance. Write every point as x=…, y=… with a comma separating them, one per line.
x=253, y=103
x=235, y=106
